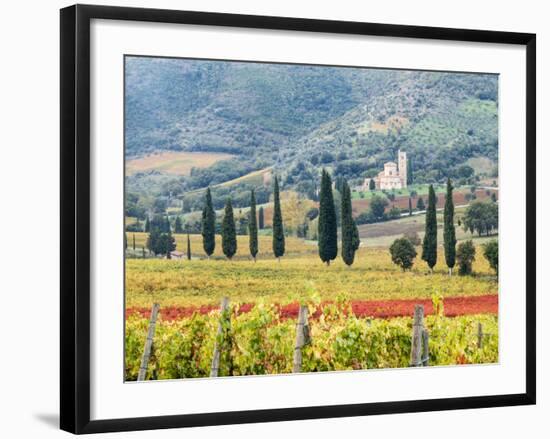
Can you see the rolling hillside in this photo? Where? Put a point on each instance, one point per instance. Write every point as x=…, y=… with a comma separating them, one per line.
x=298, y=119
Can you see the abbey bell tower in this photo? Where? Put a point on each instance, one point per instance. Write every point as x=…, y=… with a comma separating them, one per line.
x=402, y=167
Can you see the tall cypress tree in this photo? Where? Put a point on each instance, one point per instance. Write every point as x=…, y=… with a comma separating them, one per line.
x=372, y=185
x=147, y=225
x=261, y=218
x=168, y=239
x=253, y=227
x=278, y=230
x=134, y=241
x=449, y=235
x=229, y=235
x=429, y=245
x=208, y=225
x=188, y=247
x=327, y=227
x=410, y=207
x=350, y=234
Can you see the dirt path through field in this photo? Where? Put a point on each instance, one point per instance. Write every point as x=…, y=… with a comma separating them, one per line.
x=453, y=306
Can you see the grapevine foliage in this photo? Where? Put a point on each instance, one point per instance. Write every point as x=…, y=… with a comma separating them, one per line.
x=261, y=342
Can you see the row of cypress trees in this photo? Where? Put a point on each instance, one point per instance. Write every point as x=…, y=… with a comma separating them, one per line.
x=429, y=244
x=327, y=227
x=328, y=224
x=228, y=232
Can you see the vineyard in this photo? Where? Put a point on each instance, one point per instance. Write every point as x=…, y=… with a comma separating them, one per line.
x=287, y=241
x=262, y=341
x=360, y=317
x=372, y=277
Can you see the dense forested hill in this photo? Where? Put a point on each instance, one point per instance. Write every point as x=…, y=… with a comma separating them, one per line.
x=301, y=118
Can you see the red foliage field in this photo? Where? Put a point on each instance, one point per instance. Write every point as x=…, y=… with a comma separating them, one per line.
x=453, y=306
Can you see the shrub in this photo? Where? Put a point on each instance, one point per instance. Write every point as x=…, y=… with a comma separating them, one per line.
x=365, y=218
x=490, y=251
x=403, y=253
x=377, y=206
x=465, y=256
x=394, y=213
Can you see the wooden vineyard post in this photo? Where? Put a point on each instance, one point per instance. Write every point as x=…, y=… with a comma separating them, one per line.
x=302, y=338
x=218, y=345
x=425, y=348
x=416, y=342
x=479, y=335
x=148, y=343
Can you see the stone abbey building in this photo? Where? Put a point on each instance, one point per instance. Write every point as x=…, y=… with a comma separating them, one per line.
x=394, y=175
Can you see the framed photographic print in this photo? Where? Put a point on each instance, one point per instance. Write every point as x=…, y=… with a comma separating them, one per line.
x=269, y=218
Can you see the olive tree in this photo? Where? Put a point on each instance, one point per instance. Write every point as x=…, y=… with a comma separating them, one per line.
x=403, y=253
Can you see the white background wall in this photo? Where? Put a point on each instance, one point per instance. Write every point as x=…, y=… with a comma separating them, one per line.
x=29, y=217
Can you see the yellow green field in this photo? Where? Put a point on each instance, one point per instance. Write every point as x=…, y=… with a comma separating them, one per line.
x=174, y=162
x=299, y=276
x=294, y=246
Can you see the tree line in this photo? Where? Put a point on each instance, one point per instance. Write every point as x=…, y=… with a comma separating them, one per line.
x=161, y=242
x=478, y=216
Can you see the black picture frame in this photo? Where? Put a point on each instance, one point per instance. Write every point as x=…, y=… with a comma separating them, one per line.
x=75, y=217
